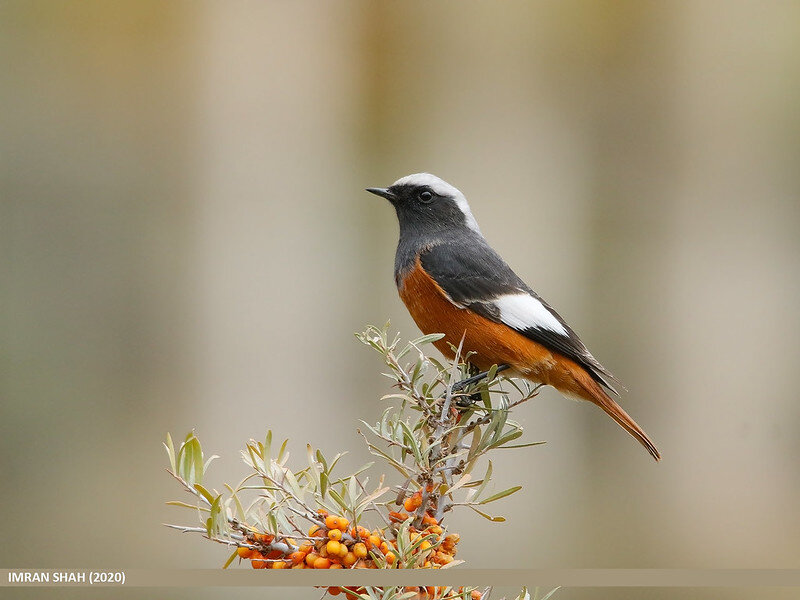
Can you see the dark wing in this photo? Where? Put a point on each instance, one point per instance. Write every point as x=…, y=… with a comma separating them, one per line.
x=474, y=276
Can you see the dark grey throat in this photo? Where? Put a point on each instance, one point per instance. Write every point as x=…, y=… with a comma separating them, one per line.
x=417, y=237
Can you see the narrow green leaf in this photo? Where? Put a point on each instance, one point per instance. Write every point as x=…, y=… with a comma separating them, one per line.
x=476, y=441
x=272, y=520
x=323, y=483
x=488, y=517
x=185, y=505
x=170, y=452
x=549, y=594
x=411, y=442
x=322, y=461
x=197, y=455
x=508, y=437
x=427, y=339
x=463, y=481
x=282, y=451
x=338, y=499
x=293, y=483
x=228, y=562
x=486, y=479
x=378, y=452
x=502, y=494
x=312, y=466
x=352, y=491
x=240, y=514
x=211, y=458
x=212, y=525
x=268, y=447
x=336, y=460
x=504, y=447
x=204, y=492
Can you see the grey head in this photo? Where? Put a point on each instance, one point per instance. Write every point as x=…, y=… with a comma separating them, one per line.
x=428, y=206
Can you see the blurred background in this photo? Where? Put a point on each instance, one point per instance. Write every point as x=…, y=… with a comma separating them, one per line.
x=185, y=243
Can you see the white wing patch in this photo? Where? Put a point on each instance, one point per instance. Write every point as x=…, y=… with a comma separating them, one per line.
x=523, y=311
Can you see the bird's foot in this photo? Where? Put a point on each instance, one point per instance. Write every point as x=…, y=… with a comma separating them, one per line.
x=465, y=383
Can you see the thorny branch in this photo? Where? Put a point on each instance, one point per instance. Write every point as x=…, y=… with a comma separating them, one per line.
x=436, y=443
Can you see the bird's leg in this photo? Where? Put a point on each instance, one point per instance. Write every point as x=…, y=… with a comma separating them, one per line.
x=459, y=385
x=476, y=397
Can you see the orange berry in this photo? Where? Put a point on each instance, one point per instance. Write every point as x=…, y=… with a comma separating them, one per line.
x=332, y=522
x=335, y=534
x=244, y=552
x=313, y=530
x=349, y=559
x=305, y=548
x=311, y=558
x=342, y=550
x=334, y=591
x=397, y=517
x=360, y=550
x=336, y=566
x=297, y=557
x=323, y=512
x=258, y=563
x=374, y=541
x=279, y=564
x=333, y=548
x=343, y=524
x=413, y=502
x=384, y=547
x=425, y=545
x=322, y=563
x=391, y=557
x=429, y=520
x=475, y=595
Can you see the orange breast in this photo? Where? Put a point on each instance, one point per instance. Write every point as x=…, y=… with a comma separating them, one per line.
x=493, y=343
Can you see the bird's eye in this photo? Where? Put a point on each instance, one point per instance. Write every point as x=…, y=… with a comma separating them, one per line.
x=425, y=196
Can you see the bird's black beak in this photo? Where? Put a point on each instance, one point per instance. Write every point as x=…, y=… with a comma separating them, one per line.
x=383, y=193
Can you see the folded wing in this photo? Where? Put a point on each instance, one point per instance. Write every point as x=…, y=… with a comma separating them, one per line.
x=475, y=277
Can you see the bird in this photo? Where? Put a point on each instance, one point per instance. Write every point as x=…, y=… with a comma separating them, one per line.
x=454, y=283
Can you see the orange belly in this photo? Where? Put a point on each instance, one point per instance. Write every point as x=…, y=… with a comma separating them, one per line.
x=492, y=343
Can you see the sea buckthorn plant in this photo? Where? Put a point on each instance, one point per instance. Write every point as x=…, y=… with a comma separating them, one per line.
x=436, y=435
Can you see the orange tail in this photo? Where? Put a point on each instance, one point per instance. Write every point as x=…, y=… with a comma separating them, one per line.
x=594, y=393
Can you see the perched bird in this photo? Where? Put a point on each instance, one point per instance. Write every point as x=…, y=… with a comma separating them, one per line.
x=453, y=282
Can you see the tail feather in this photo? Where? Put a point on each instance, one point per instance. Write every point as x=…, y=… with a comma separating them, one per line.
x=598, y=396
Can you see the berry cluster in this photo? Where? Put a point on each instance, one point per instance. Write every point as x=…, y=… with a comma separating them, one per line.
x=335, y=545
